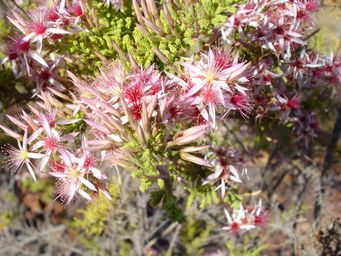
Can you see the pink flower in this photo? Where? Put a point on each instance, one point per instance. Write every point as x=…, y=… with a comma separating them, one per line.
x=211, y=81
x=35, y=27
x=90, y=161
x=19, y=52
x=286, y=106
x=311, y=5
x=259, y=216
x=239, y=102
x=225, y=172
x=141, y=84
x=277, y=26
x=48, y=77
x=72, y=178
x=238, y=222
x=177, y=106
x=51, y=142
x=207, y=101
x=52, y=14
x=217, y=70
x=17, y=158
x=223, y=176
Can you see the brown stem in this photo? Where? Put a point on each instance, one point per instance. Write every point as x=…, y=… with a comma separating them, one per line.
x=327, y=163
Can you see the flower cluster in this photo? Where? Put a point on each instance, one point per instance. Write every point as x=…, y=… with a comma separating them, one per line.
x=141, y=106
x=217, y=84
x=158, y=125
x=245, y=219
x=143, y=121
x=31, y=49
x=44, y=146
x=287, y=75
x=276, y=26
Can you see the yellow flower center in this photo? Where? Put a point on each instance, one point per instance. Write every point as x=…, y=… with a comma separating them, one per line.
x=74, y=173
x=210, y=77
x=23, y=155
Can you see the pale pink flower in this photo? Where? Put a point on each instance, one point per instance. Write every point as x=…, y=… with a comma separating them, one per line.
x=19, y=53
x=71, y=177
x=277, y=26
x=286, y=106
x=219, y=71
x=91, y=161
x=259, y=215
x=47, y=77
x=50, y=142
x=76, y=9
x=17, y=158
x=238, y=222
x=223, y=177
x=225, y=172
x=36, y=27
x=189, y=135
x=239, y=102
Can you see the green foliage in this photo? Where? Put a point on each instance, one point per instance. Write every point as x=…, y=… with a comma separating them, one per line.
x=113, y=34
x=5, y=219
x=75, y=127
x=206, y=196
x=95, y=215
x=7, y=213
x=4, y=30
x=156, y=197
x=147, y=168
x=203, y=196
x=212, y=13
x=28, y=4
x=244, y=251
x=108, y=26
x=194, y=234
x=171, y=206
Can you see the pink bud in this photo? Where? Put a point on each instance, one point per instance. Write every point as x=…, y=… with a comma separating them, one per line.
x=76, y=10
x=52, y=15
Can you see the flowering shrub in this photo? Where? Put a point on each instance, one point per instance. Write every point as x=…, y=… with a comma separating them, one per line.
x=169, y=82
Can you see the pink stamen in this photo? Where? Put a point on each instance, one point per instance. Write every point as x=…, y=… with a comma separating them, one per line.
x=51, y=143
x=39, y=28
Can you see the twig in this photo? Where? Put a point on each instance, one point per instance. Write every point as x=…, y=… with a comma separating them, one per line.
x=43, y=234
x=299, y=203
x=327, y=163
x=266, y=184
x=312, y=34
x=278, y=181
x=174, y=237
